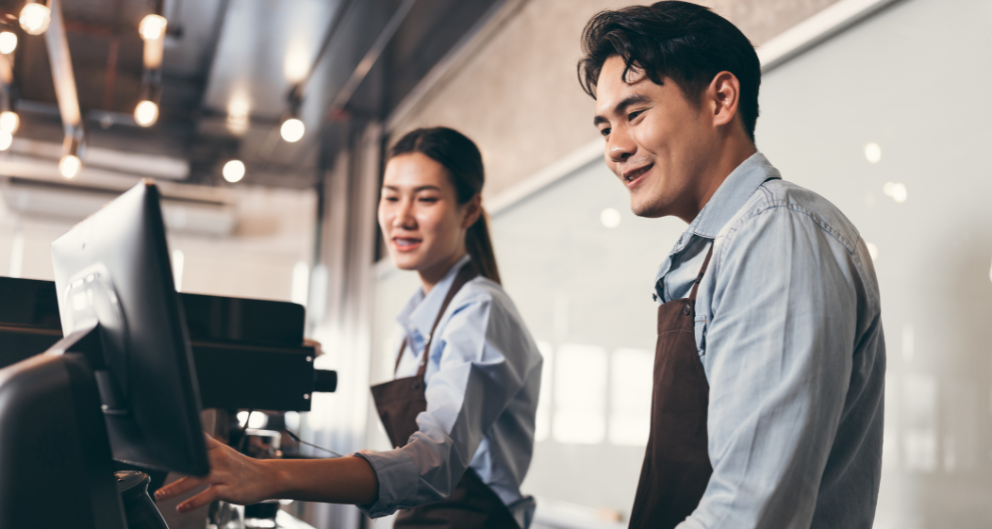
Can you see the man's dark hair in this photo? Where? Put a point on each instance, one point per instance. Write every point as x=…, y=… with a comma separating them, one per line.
x=684, y=42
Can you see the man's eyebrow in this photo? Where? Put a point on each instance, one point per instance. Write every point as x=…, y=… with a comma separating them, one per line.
x=428, y=187
x=621, y=107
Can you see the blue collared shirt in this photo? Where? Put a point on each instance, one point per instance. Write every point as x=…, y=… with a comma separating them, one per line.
x=482, y=383
x=789, y=332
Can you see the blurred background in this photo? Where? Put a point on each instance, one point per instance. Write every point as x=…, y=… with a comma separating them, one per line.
x=265, y=123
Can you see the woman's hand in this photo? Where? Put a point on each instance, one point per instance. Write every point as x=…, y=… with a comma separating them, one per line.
x=233, y=477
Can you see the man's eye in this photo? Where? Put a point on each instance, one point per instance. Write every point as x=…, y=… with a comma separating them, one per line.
x=428, y=199
x=605, y=132
x=633, y=115
x=391, y=199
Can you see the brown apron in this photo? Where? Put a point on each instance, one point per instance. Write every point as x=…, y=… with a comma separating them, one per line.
x=472, y=504
x=676, y=466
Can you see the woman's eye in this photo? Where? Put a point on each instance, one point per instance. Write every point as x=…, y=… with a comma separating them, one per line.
x=605, y=132
x=391, y=199
x=429, y=200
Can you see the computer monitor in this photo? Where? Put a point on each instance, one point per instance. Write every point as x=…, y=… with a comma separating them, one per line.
x=113, y=269
x=120, y=385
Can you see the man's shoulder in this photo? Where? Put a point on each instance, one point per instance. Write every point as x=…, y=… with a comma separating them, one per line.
x=781, y=197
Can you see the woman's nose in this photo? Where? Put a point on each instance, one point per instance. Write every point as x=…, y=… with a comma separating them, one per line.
x=404, y=215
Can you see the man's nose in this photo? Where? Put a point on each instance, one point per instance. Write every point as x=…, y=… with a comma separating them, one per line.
x=620, y=146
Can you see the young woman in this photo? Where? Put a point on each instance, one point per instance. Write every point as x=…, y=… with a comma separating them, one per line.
x=461, y=409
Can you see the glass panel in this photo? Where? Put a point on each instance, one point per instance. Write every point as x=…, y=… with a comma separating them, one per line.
x=886, y=120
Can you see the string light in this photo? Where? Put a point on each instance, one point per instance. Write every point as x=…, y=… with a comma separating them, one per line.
x=234, y=171
x=292, y=130
x=146, y=113
x=152, y=27
x=152, y=30
x=9, y=121
x=69, y=166
x=8, y=42
x=35, y=18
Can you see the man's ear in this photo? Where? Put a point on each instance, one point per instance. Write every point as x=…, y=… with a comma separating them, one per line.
x=723, y=95
x=473, y=208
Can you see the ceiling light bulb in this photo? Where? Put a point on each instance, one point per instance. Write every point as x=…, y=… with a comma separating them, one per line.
x=6, y=139
x=146, y=113
x=234, y=171
x=35, y=18
x=9, y=121
x=292, y=130
x=8, y=42
x=152, y=27
x=69, y=166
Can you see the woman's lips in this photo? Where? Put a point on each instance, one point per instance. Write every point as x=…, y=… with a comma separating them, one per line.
x=406, y=244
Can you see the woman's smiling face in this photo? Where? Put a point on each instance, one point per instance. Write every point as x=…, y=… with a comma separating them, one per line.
x=419, y=215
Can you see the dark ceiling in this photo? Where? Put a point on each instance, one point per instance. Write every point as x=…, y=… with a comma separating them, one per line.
x=220, y=53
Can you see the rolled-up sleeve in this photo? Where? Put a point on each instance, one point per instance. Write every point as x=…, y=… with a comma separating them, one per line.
x=778, y=355
x=479, y=369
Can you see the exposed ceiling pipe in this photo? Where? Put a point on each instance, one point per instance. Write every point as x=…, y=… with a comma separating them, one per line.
x=371, y=57
x=343, y=95
x=110, y=76
x=298, y=90
x=65, y=81
x=296, y=93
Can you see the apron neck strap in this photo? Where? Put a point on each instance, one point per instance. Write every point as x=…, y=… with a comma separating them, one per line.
x=706, y=264
x=467, y=273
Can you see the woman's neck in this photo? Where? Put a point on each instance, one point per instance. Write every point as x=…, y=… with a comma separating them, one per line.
x=429, y=277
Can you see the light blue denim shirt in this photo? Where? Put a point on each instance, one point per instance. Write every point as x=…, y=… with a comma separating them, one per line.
x=482, y=383
x=789, y=333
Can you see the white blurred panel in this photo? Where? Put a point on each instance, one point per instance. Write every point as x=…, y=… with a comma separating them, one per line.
x=906, y=162
x=545, y=403
x=630, y=396
x=580, y=395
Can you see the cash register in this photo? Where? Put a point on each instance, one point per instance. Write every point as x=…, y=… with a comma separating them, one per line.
x=126, y=365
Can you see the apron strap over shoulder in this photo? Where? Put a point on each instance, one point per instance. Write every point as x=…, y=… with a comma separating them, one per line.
x=467, y=273
x=706, y=264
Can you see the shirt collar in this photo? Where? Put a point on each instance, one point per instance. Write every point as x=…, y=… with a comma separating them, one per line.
x=420, y=313
x=732, y=194
x=729, y=198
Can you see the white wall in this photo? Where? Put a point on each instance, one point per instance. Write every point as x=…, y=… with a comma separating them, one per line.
x=274, y=233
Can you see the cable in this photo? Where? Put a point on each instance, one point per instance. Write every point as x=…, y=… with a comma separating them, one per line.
x=298, y=440
x=241, y=442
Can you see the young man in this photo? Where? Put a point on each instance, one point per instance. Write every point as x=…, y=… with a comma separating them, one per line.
x=770, y=363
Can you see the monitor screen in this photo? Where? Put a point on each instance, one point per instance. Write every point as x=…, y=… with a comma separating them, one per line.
x=113, y=269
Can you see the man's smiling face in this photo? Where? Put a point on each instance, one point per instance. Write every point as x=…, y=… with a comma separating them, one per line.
x=657, y=140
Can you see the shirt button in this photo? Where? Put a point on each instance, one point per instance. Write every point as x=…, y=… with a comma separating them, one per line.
x=686, y=309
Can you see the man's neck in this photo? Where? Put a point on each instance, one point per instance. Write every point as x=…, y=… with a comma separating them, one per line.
x=730, y=158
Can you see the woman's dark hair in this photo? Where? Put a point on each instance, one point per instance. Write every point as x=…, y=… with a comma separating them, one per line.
x=463, y=161
x=684, y=42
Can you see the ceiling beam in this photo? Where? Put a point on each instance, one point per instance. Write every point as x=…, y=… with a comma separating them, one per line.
x=65, y=81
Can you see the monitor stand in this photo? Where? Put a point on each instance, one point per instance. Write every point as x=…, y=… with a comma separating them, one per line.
x=55, y=459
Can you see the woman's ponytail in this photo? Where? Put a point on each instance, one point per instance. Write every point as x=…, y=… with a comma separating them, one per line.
x=463, y=161
x=479, y=246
